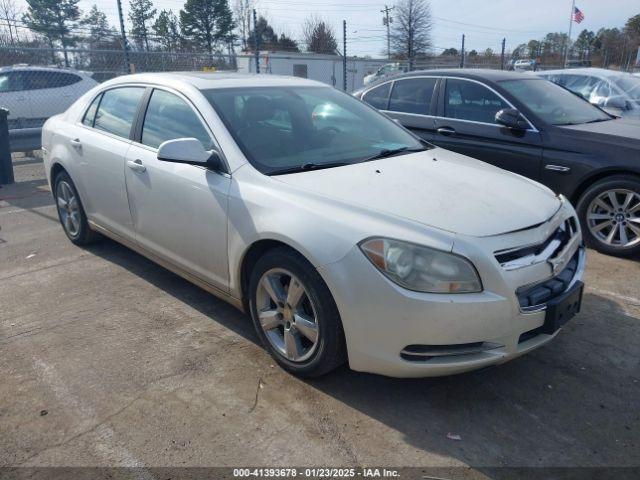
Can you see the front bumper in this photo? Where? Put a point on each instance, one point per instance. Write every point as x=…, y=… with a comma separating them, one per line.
x=466, y=331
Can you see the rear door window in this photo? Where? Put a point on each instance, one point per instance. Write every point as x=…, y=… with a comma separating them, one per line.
x=118, y=109
x=465, y=100
x=412, y=95
x=378, y=97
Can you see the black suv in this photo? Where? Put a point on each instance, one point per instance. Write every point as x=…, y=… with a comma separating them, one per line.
x=533, y=127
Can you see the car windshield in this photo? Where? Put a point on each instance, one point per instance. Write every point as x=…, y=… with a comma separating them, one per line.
x=629, y=85
x=282, y=129
x=552, y=103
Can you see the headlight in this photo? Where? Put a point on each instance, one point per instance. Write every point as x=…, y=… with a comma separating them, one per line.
x=422, y=269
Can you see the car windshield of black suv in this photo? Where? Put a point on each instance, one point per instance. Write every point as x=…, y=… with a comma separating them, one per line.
x=289, y=129
x=552, y=103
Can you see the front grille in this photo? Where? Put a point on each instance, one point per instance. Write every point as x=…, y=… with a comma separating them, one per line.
x=514, y=258
x=537, y=295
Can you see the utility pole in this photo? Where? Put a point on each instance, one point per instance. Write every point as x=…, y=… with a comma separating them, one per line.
x=344, y=55
x=568, y=43
x=387, y=22
x=125, y=45
x=462, y=53
x=504, y=42
x=256, y=37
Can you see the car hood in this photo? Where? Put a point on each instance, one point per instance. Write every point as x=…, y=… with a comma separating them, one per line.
x=626, y=129
x=437, y=188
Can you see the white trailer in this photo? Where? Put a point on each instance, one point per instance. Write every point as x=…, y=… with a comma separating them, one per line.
x=323, y=68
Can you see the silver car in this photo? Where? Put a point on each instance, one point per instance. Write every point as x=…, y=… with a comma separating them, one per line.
x=345, y=240
x=33, y=94
x=616, y=92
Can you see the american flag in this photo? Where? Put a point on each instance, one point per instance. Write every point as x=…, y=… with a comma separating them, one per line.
x=578, y=16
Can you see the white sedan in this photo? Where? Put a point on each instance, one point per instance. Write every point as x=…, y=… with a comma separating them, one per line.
x=344, y=236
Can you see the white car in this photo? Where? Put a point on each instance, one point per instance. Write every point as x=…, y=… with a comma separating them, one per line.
x=524, y=64
x=350, y=242
x=33, y=94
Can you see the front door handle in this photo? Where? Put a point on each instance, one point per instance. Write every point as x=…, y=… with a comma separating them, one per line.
x=446, y=131
x=136, y=165
x=76, y=143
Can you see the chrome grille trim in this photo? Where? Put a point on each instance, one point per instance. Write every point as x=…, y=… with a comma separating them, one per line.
x=552, y=247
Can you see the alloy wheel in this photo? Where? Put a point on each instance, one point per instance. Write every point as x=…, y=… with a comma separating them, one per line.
x=68, y=208
x=287, y=315
x=613, y=217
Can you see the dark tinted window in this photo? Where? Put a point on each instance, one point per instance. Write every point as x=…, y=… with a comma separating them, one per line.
x=90, y=114
x=378, y=97
x=169, y=117
x=117, y=109
x=40, y=79
x=472, y=101
x=412, y=95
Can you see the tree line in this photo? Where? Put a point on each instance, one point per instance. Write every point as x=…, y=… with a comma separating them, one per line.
x=606, y=47
x=210, y=26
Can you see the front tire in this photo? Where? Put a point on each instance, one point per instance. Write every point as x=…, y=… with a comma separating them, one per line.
x=295, y=315
x=71, y=212
x=609, y=211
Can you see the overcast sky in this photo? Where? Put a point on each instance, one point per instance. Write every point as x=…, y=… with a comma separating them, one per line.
x=485, y=23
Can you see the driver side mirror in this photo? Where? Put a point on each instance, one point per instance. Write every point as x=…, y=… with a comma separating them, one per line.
x=189, y=151
x=511, y=118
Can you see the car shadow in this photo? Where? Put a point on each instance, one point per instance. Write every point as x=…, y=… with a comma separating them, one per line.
x=217, y=310
x=557, y=406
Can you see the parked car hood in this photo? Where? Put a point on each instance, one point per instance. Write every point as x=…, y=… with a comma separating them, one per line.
x=610, y=130
x=437, y=188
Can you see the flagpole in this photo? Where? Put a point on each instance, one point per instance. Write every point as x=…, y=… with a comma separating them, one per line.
x=568, y=43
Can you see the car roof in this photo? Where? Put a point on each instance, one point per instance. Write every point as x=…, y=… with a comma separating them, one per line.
x=20, y=68
x=471, y=73
x=594, y=72
x=210, y=80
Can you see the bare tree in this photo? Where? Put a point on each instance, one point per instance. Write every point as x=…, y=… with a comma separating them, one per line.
x=319, y=36
x=242, y=11
x=411, y=34
x=11, y=13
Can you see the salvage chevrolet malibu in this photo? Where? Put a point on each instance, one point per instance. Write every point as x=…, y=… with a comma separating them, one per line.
x=344, y=236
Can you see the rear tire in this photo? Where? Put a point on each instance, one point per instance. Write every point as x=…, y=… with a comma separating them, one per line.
x=609, y=212
x=294, y=314
x=71, y=212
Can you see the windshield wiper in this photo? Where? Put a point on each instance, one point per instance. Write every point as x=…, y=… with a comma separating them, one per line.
x=390, y=152
x=308, y=166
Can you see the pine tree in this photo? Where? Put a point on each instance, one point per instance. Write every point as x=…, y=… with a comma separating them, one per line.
x=141, y=12
x=54, y=19
x=97, y=25
x=207, y=22
x=167, y=28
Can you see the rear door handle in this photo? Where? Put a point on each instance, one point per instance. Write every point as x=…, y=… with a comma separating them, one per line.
x=136, y=165
x=446, y=131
